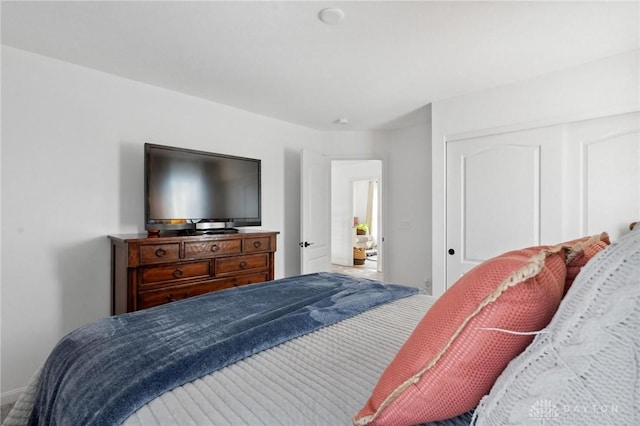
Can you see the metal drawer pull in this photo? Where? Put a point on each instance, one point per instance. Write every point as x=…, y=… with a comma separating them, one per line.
x=161, y=252
x=257, y=244
x=178, y=273
x=215, y=248
x=243, y=264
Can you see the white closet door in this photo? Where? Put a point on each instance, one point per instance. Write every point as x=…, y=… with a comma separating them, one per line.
x=540, y=186
x=503, y=193
x=605, y=173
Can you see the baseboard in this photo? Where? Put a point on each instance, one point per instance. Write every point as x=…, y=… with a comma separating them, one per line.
x=11, y=396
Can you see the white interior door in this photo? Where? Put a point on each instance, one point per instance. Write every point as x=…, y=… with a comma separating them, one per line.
x=606, y=173
x=315, y=244
x=501, y=190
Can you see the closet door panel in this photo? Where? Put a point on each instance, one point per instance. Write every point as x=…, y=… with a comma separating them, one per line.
x=501, y=193
x=500, y=200
x=607, y=151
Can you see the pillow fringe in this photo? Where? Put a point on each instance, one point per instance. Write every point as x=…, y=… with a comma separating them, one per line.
x=577, y=249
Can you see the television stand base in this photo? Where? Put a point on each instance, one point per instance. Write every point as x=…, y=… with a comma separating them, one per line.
x=220, y=231
x=186, y=232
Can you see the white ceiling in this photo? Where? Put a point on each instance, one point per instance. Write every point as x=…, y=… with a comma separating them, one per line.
x=384, y=61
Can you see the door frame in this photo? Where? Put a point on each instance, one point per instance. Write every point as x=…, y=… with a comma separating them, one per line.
x=349, y=181
x=382, y=212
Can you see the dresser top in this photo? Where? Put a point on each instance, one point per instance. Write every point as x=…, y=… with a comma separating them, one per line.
x=174, y=236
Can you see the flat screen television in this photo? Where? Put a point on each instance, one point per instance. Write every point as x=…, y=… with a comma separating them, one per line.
x=191, y=191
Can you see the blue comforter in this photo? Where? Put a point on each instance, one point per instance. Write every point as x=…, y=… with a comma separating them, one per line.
x=103, y=372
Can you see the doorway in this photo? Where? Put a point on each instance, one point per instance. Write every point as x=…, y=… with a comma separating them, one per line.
x=356, y=218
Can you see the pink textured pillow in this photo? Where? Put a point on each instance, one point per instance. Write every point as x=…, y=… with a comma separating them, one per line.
x=453, y=356
x=580, y=252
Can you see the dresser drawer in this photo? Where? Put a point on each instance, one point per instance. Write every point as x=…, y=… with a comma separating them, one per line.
x=211, y=248
x=176, y=271
x=239, y=280
x=154, y=253
x=230, y=265
x=149, y=298
x=253, y=245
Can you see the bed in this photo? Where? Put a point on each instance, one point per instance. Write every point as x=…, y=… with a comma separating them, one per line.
x=360, y=339
x=336, y=365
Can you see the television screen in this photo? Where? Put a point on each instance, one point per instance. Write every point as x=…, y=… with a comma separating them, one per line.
x=188, y=189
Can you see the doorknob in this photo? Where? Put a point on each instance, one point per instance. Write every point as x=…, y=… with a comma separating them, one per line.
x=305, y=244
x=451, y=252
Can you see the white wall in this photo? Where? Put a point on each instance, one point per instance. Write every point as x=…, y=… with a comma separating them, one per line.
x=597, y=89
x=72, y=159
x=406, y=192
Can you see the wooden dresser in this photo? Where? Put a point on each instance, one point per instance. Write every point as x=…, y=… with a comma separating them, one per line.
x=150, y=271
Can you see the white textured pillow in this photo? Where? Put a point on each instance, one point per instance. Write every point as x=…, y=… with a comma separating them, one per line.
x=583, y=369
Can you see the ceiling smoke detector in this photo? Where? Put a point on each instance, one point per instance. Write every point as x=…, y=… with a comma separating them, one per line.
x=331, y=16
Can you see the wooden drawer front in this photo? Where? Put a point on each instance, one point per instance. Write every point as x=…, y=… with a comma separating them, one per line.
x=212, y=248
x=241, y=263
x=156, y=274
x=149, y=298
x=250, y=279
x=252, y=245
x=154, y=253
